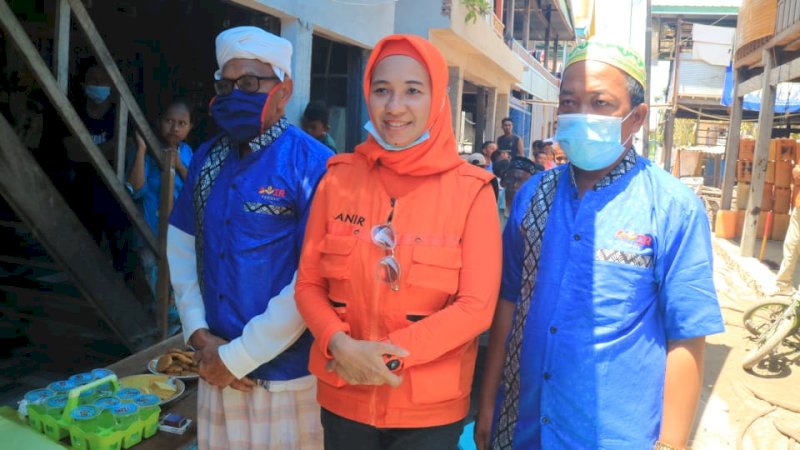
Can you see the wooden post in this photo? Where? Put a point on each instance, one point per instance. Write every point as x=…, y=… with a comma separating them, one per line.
x=35, y=199
x=765, y=118
x=164, y=209
x=546, y=35
x=510, y=22
x=669, y=135
x=61, y=45
x=121, y=134
x=732, y=144
x=555, y=55
x=526, y=31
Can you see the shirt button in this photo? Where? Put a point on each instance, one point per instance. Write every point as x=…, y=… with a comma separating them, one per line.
x=545, y=420
x=553, y=330
x=577, y=237
x=547, y=376
x=356, y=231
x=221, y=297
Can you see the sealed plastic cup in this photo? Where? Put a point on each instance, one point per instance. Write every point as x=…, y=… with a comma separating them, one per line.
x=102, y=373
x=126, y=395
x=86, y=418
x=106, y=403
x=54, y=406
x=82, y=378
x=38, y=396
x=148, y=404
x=62, y=387
x=125, y=415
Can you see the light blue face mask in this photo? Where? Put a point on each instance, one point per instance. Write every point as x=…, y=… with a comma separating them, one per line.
x=393, y=148
x=97, y=94
x=592, y=142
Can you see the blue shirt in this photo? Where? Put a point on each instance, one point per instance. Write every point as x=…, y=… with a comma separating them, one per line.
x=149, y=194
x=254, y=222
x=623, y=270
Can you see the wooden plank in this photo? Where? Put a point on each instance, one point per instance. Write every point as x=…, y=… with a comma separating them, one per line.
x=765, y=119
x=29, y=262
x=164, y=209
x=61, y=103
x=40, y=205
x=61, y=45
x=121, y=133
x=732, y=145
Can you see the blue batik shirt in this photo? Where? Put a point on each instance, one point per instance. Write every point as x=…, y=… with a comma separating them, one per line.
x=253, y=226
x=623, y=270
x=149, y=194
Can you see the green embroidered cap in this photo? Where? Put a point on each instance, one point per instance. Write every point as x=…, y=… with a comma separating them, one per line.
x=620, y=56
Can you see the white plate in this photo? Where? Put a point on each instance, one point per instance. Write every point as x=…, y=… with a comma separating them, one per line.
x=151, y=366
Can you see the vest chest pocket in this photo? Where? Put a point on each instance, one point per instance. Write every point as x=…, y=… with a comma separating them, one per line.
x=435, y=268
x=335, y=256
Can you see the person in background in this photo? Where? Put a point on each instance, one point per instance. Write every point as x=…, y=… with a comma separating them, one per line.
x=547, y=146
x=509, y=141
x=500, y=155
x=488, y=149
x=315, y=123
x=784, y=284
x=477, y=159
x=608, y=288
x=399, y=273
x=540, y=157
x=144, y=180
x=519, y=171
x=559, y=157
x=233, y=246
x=499, y=171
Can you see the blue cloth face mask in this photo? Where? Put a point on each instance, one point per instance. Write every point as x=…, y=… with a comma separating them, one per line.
x=97, y=94
x=238, y=114
x=393, y=148
x=592, y=142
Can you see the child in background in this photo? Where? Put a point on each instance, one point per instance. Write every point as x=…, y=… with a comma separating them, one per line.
x=315, y=123
x=144, y=181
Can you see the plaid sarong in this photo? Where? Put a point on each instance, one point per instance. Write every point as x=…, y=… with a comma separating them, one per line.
x=228, y=419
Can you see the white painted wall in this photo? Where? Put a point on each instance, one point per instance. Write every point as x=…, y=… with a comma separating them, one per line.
x=344, y=20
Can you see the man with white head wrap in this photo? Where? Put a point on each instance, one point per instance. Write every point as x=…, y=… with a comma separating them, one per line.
x=233, y=245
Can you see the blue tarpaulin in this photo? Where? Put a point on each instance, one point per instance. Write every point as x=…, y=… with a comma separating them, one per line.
x=787, y=99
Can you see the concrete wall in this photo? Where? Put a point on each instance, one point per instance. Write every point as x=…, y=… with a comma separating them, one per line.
x=361, y=25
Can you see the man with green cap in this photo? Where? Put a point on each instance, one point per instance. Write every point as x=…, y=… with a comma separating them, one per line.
x=601, y=345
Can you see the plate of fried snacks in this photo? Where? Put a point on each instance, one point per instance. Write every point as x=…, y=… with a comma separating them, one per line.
x=165, y=387
x=176, y=363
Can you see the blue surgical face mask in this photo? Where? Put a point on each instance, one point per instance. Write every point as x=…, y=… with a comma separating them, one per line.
x=238, y=114
x=97, y=94
x=592, y=142
x=394, y=148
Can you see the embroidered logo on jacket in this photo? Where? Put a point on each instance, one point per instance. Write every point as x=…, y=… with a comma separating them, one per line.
x=354, y=219
x=271, y=192
x=629, y=236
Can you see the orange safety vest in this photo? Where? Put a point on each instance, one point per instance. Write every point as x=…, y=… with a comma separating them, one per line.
x=429, y=223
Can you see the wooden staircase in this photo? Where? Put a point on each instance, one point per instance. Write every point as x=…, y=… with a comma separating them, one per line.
x=51, y=270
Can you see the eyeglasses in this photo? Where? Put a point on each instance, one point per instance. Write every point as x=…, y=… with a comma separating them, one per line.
x=383, y=236
x=246, y=83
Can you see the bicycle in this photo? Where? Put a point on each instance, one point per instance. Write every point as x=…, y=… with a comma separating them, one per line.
x=771, y=326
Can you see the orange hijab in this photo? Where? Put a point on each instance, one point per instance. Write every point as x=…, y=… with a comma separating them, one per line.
x=436, y=154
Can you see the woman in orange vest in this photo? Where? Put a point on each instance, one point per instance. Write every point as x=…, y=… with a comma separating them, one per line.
x=400, y=267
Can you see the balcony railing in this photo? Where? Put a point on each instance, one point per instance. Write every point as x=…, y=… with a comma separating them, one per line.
x=526, y=56
x=788, y=15
x=496, y=23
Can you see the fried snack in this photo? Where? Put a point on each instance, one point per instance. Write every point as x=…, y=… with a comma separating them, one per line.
x=163, y=390
x=177, y=362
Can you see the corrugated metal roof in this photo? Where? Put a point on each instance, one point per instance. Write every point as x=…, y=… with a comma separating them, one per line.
x=697, y=78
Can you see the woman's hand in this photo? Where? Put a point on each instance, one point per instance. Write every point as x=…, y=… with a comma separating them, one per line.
x=361, y=362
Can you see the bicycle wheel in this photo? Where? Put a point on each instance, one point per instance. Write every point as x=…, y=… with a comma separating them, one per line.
x=771, y=339
x=760, y=316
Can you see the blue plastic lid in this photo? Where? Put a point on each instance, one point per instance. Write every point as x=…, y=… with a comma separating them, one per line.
x=37, y=395
x=101, y=373
x=106, y=402
x=124, y=409
x=82, y=378
x=146, y=400
x=128, y=393
x=87, y=393
x=59, y=401
x=84, y=412
x=62, y=386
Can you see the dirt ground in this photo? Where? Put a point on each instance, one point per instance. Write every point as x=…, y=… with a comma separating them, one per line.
x=740, y=409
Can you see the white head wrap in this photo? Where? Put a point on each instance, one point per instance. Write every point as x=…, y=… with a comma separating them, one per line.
x=254, y=43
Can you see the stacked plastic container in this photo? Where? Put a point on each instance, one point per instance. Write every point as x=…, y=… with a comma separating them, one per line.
x=93, y=411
